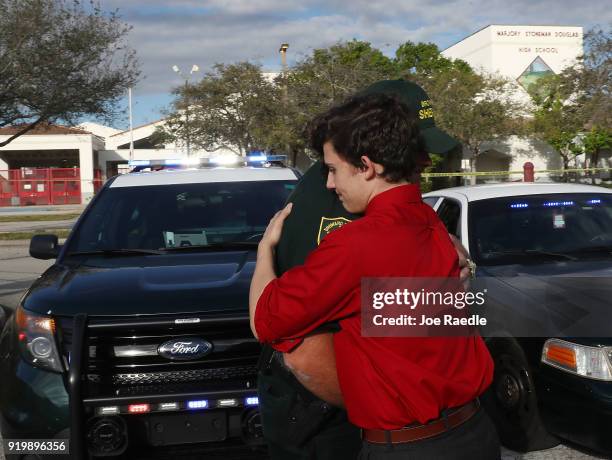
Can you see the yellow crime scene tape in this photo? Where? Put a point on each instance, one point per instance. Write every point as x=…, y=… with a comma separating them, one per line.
x=507, y=173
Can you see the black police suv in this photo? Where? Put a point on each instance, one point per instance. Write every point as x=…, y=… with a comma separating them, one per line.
x=136, y=342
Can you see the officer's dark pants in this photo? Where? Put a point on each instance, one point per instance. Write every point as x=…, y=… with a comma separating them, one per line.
x=475, y=439
x=299, y=426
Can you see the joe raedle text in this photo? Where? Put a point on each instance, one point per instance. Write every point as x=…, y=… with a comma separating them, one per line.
x=420, y=307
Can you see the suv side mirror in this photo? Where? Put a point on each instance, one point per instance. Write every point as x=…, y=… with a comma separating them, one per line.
x=44, y=247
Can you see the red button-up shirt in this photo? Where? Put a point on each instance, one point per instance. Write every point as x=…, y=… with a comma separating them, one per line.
x=387, y=382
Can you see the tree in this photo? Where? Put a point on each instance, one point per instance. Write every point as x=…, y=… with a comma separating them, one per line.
x=589, y=80
x=324, y=78
x=233, y=107
x=572, y=109
x=425, y=59
x=61, y=61
x=473, y=108
x=555, y=117
x=596, y=141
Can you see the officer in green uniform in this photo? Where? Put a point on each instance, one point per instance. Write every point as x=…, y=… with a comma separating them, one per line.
x=296, y=423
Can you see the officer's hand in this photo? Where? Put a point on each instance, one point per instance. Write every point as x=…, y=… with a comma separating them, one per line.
x=272, y=234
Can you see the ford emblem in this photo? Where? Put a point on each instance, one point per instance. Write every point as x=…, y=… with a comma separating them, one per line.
x=185, y=349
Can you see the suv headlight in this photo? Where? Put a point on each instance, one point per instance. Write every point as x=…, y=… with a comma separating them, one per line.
x=590, y=362
x=36, y=336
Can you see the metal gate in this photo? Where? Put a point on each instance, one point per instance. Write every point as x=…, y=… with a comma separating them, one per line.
x=43, y=186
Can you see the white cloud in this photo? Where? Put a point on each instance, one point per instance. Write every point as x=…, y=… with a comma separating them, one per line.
x=186, y=32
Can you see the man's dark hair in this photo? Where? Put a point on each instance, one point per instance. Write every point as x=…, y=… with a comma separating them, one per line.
x=376, y=125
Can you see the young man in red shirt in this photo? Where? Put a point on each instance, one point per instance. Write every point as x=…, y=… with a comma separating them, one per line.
x=429, y=385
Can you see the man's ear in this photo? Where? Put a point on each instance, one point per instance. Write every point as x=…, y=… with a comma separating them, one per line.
x=370, y=168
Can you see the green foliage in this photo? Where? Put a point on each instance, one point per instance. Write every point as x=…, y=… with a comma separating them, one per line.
x=473, y=108
x=425, y=59
x=572, y=110
x=61, y=60
x=236, y=107
x=232, y=107
x=595, y=141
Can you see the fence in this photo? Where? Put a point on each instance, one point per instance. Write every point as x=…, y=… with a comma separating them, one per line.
x=595, y=176
x=43, y=186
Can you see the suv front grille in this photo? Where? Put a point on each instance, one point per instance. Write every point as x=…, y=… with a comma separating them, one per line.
x=156, y=378
x=123, y=354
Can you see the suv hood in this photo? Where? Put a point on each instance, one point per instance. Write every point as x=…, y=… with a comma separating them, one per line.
x=170, y=284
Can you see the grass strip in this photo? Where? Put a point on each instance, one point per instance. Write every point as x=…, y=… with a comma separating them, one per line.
x=38, y=217
x=9, y=236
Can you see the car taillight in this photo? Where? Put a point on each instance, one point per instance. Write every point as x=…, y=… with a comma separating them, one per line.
x=586, y=361
x=36, y=336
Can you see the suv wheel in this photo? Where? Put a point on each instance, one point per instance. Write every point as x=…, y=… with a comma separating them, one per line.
x=511, y=400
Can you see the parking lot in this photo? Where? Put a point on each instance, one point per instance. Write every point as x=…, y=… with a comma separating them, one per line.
x=18, y=270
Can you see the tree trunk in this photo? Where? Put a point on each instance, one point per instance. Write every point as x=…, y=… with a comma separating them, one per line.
x=473, y=161
x=593, y=164
x=566, y=160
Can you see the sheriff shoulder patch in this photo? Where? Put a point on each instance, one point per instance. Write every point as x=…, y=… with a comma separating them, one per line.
x=329, y=224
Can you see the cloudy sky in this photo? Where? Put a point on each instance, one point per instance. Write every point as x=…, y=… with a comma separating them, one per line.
x=203, y=32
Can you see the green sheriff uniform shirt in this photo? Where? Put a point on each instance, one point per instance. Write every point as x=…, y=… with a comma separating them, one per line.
x=316, y=212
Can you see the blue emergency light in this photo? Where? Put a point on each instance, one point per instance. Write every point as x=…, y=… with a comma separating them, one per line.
x=198, y=404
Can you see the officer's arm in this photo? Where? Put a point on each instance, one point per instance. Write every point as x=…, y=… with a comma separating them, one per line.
x=313, y=363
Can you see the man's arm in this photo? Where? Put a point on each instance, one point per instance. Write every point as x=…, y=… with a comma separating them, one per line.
x=313, y=363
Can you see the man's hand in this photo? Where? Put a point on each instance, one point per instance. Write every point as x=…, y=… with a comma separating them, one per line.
x=272, y=235
x=464, y=261
x=264, y=268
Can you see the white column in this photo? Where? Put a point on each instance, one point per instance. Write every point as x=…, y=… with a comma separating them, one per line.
x=87, y=169
x=4, y=168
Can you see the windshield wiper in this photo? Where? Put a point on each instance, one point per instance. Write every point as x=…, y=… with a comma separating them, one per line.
x=213, y=246
x=533, y=252
x=592, y=249
x=117, y=252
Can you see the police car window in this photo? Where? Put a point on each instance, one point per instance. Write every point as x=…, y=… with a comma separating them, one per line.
x=449, y=212
x=431, y=200
x=165, y=216
x=527, y=229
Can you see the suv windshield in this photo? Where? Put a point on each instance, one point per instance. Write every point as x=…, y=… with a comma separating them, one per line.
x=524, y=229
x=180, y=215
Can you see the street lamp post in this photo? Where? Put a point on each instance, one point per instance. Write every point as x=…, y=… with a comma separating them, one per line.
x=194, y=68
x=283, y=52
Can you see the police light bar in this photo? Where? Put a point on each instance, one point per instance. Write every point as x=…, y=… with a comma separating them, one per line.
x=554, y=204
x=198, y=404
x=226, y=160
x=262, y=159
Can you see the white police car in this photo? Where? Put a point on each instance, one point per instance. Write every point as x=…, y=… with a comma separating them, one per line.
x=523, y=234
